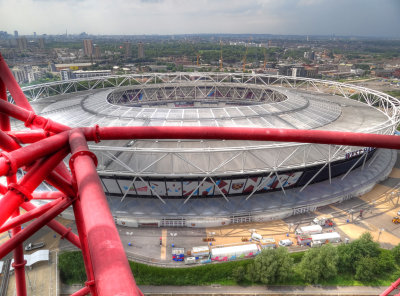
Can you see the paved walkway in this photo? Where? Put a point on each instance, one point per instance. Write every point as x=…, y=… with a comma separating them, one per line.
x=253, y=290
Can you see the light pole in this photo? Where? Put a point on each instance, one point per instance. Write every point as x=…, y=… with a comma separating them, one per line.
x=380, y=232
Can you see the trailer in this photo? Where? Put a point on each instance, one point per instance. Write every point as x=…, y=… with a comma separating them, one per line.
x=323, y=238
x=200, y=252
x=311, y=229
x=303, y=239
x=234, y=252
x=268, y=243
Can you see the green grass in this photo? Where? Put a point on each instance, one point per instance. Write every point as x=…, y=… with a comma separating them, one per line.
x=72, y=271
x=394, y=93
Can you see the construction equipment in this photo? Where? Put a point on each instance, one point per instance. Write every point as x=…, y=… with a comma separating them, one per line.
x=245, y=55
x=265, y=58
x=220, y=58
x=244, y=59
x=396, y=220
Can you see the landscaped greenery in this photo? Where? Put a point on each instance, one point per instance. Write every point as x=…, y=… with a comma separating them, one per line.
x=361, y=262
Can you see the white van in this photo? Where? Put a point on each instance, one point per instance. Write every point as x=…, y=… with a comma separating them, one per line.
x=255, y=236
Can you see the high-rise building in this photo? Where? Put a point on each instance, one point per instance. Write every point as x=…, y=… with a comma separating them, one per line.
x=16, y=34
x=41, y=43
x=88, y=47
x=140, y=50
x=97, y=53
x=34, y=34
x=128, y=49
x=22, y=44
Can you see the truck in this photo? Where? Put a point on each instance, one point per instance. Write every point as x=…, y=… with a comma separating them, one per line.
x=307, y=230
x=323, y=238
x=178, y=254
x=322, y=221
x=32, y=246
x=268, y=243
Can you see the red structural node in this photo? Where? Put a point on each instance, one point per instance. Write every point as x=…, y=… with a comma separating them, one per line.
x=47, y=144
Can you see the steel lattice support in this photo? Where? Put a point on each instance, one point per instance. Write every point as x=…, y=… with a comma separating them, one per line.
x=107, y=268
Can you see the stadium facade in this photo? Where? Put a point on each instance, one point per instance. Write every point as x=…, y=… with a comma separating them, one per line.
x=199, y=183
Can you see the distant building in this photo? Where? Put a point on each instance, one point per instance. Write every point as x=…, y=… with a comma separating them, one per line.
x=34, y=73
x=345, y=67
x=41, y=43
x=128, y=49
x=88, y=47
x=94, y=73
x=20, y=74
x=75, y=66
x=22, y=44
x=97, y=53
x=140, y=50
x=310, y=55
x=34, y=34
x=66, y=74
x=16, y=34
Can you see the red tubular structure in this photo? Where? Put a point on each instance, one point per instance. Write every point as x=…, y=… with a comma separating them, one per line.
x=106, y=251
x=107, y=268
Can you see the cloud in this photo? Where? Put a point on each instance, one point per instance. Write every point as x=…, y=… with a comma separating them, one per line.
x=341, y=17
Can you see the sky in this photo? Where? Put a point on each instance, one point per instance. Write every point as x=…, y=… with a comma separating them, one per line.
x=379, y=18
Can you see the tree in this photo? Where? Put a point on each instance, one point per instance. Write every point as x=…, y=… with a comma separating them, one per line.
x=367, y=269
x=386, y=261
x=350, y=254
x=271, y=266
x=239, y=274
x=396, y=253
x=319, y=264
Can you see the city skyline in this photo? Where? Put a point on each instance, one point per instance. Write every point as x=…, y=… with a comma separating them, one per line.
x=166, y=17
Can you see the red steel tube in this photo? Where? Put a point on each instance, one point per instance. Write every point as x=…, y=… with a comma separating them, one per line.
x=21, y=236
x=111, y=270
x=30, y=118
x=243, y=133
x=7, y=143
x=80, y=225
x=57, y=227
x=12, y=86
x=392, y=287
x=21, y=219
x=28, y=154
x=82, y=292
x=15, y=197
x=47, y=195
x=28, y=137
x=4, y=120
x=19, y=262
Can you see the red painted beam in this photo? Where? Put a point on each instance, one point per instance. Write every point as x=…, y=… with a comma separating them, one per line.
x=21, y=219
x=242, y=133
x=33, y=227
x=10, y=162
x=82, y=292
x=111, y=270
x=47, y=195
x=12, y=86
x=21, y=192
x=57, y=227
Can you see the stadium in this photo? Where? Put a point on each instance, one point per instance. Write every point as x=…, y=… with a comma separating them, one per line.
x=203, y=183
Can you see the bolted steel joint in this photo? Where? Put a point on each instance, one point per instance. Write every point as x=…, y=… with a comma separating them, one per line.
x=20, y=190
x=12, y=163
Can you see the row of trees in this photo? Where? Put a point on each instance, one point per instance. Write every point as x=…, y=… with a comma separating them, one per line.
x=361, y=259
